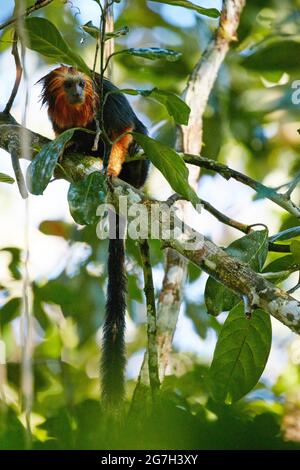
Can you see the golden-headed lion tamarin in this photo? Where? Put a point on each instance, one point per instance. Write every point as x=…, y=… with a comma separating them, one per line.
x=73, y=101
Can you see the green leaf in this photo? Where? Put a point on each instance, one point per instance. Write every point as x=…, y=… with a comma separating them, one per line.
x=240, y=355
x=44, y=37
x=286, y=234
x=295, y=250
x=6, y=179
x=201, y=321
x=56, y=228
x=10, y=311
x=170, y=164
x=84, y=198
x=274, y=56
x=153, y=53
x=251, y=249
x=94, y=31
x=14, y=264
x=176, y=107
x=218, y=298
x=284, y=266
x=212, y=12
x=41, y=169
x=280, y=264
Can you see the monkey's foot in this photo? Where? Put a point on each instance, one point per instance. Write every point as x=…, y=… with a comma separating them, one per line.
x=113, y=171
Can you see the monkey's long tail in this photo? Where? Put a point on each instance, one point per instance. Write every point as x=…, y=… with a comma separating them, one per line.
x=113, y=358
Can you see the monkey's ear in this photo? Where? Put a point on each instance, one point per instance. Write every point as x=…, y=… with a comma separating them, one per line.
x=42, y=80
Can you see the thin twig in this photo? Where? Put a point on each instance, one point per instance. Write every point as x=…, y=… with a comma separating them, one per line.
x=37, y=6
x=241, y=227
x=27, y=323
x=231, y=222
x=151, y=318
x=269, y=193
x=19, y=71
x=224, y=218
x=264, y=191
x=110, y=44
x=101, y=44
x=14, y=157
x=18, y=173
x=277, y=248
x=296, y=287
x=293, y=185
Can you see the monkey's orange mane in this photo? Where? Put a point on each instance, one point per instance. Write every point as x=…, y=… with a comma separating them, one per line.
x=61, y=112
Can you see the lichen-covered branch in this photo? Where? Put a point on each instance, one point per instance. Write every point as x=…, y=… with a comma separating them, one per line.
x=189, y=140
x=240, y=278
x=229, y=271
x=151, y=318
x=10, y=133
x=226, y=269
x=203, y=77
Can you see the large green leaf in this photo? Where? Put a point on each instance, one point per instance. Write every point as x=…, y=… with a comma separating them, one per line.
x=212, y=12
x=279, y=55
x=153, y=53
x=6, y=179
x=251, y=249
x=85, y=197
x=170, y=164
x=41, y=169
x=240, y=355
x=176, y=107
x=44, y=37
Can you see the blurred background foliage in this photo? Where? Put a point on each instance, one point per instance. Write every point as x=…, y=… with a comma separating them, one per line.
x=251, y=123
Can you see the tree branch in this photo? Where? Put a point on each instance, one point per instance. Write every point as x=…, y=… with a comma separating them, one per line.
x=10, y=129
x=189, y=140
x=281, y=200
x=37, y=6
x=227, y=270
x=19, y=72
x=151, y=318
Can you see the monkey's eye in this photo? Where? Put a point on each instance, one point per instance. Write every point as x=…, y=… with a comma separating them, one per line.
x=81, y=83
x=68, y=84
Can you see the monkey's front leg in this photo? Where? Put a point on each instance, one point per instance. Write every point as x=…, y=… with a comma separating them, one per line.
x=118, y=154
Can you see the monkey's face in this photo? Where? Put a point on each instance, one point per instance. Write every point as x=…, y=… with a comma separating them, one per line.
x=70, y=96
x=74, y=89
